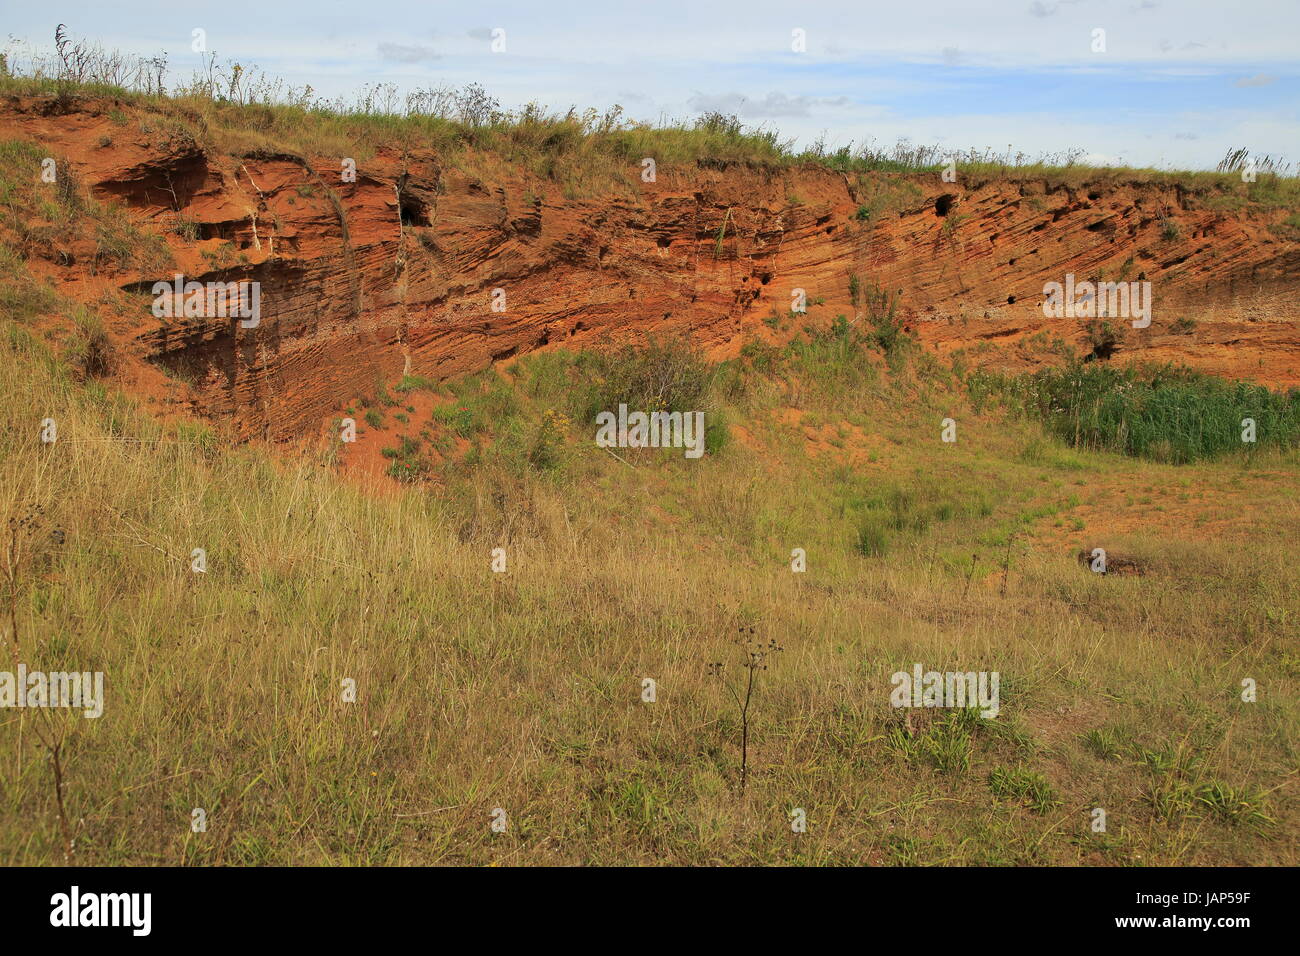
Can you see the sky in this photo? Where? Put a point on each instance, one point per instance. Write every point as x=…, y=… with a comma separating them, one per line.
x=1169, y=83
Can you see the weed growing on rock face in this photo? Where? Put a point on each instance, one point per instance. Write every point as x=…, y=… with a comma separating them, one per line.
x=886, y=327
x=184, y=226
x=411, y=383
x=722, y=235
x=1288, y=228
x=881, y=197
x=1103, y=338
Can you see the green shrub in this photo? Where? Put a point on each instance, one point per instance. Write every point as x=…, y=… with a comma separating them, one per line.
x=834, y=359
x=481, y=403
x=408, y=470
x=1103, y=338
x=547, y=449
x=457, y=417
x=668, y=376
x=946, y=742
x=757, y=356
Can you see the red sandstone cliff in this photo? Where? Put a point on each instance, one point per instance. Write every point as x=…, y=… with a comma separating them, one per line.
x=393, y=273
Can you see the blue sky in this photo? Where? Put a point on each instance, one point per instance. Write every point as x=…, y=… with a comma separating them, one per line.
x=1179, y=83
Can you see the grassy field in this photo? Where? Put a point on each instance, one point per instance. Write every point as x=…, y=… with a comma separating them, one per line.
x=522, y=690
x=350, y=682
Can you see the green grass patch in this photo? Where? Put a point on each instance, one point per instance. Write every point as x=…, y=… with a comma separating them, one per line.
x=1164, y=413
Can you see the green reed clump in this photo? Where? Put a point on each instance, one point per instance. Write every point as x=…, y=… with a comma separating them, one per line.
x=1165, y=413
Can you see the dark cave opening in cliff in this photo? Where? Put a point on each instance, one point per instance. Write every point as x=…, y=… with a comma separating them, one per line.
x=413, y=211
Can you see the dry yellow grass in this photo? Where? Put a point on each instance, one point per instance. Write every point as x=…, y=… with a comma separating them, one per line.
x=522, y=690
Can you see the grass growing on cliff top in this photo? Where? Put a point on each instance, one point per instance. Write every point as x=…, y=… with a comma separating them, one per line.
x=522, y=690
x=237, y=109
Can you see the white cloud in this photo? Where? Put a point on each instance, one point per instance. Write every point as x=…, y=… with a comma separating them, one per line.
x=772, y=106
x=401, y=53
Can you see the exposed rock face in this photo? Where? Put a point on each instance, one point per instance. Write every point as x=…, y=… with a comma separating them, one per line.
x=395, y=273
